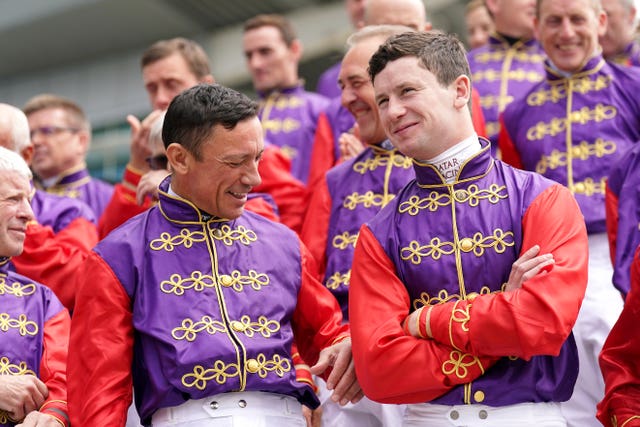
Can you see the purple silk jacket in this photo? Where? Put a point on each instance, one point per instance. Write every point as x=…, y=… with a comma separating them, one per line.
x=25, y=306
x=187, y=276
x=484, y=209
x=359, y=189
x=289, y=119
x=572, y=130
x=328, y=82
x=501, y=73
x=80, y=185
x=629, y=57
x=58, y=211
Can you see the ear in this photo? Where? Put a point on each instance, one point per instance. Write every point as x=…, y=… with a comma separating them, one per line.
x=84, y=138
x=491, y=6
x=602, y=23
x=296, y=49
x=462, y=86
x=208, y=79
x=179, y=158
x=428, y=26
x=27, y=154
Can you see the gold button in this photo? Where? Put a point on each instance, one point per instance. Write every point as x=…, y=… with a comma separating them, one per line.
x=454, y=415
x=237, y=326
x=478, y=396
x=217, y=233
x=576, y=152
x=466, y=244
x=226, y=280
x=483, y=414
x=579, y=188
x=461, y=195
x=253, y=366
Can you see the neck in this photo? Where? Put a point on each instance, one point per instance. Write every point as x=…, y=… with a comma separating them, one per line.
x=449, y=162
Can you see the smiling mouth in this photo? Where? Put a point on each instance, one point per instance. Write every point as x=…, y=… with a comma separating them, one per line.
x=239, y=196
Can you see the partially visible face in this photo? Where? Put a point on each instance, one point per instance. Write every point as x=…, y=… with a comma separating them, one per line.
x=220, y=182
x=272, y=64
x=355, y=10
x=409, y=13
x=513, y=17
x=166, y=78
x=58, y=145
x=479, y=27
x=620, y=27
x=415, y=110
x=15, y=212
x=568, y=31
x=357, y=91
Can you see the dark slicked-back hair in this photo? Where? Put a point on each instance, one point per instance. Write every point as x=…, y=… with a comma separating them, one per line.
x=192, y=115
x=441, y=54
x=193, y=54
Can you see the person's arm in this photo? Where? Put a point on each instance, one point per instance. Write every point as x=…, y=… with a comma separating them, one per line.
x=55, y=259
x=508, y=151
x=315, y=228
x=619, y=362
x=611, y=210
x=378, y=305
x=537, y=318
x=287, y=191
x=322, y=155
x=101, y=349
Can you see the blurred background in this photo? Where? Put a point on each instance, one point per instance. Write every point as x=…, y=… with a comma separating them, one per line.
x=89, y=51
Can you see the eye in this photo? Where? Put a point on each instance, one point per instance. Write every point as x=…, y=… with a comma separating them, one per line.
x=407, y=90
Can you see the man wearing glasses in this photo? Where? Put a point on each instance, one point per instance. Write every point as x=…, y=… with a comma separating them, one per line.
x=61, y=135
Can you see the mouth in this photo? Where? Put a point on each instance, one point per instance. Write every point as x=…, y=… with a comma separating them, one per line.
x=239, y=196
x=399, y=130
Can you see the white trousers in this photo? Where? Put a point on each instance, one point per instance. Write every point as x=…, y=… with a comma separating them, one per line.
x=365, y=413
x=520, y=415
x=241, y=409
x=600, y=310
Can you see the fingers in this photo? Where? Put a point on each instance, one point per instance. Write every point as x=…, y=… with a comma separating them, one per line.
x=348, y=388
x=544, y=265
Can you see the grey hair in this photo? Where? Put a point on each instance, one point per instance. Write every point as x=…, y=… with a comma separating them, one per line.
x=18, y=126
x=375, y=31
x=13, y=162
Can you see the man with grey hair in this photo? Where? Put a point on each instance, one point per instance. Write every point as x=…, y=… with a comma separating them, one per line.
x=618, y=42
x=35, y=331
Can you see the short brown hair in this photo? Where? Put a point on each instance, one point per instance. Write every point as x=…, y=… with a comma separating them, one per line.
x=282, y=24
x=193, y=54
x=74, y=114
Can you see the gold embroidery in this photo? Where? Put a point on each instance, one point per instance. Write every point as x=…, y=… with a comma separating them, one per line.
x=262, y=366
x=219, y=372
x=289, y=152
x=472, y=195
x=493, y=101
x=338, y=279
x=284, y=102
x=558, y=92
x=492, y=127
x=189, y=329
x=263, y=326
x=344, y=240
x=238, y=282
x=367, y=199
x=177, y=285
x=498, y=55
x=588, y=187
x=498, y=241
x=432, y=202
x=582, y=151
x=16, y=289
x=635, y=417
x=286, y=125
x=517, y=75
x=241, y=234
x=582, y=116
x=7, y=368
x=459, y=364
x=435, y=249
x=443, y=296
x=462, y=316
x=168, y=243
x=24, y=326
x=380, y=159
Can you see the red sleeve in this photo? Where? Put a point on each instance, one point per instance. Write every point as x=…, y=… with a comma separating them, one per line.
x=537, y=318
x=619, y=362
x=53, y=366
x=477, y=116
x=323, y=154
x=315, y=229
x=101, y=349
x=55, y=259
x=508, y=152
x=378, y=304
x=303, y=371
x=263, y=208
x=317, y=319
x=287, y=191
x=123, y=205
x=611, y=209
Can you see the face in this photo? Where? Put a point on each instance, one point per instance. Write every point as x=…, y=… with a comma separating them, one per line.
x=418, y=114
x=355, y=9
x=15, y=212
x=620, y=27
x=58, y=145
x=357, y=91
x=409, y=13
x=166, y=78
x=479, y=26
x=568, y=31
x=220, y=182
x=513, y=17
x=272, y=64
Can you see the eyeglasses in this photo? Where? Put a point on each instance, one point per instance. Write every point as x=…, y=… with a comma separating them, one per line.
x=157, y=162
x=50, y=131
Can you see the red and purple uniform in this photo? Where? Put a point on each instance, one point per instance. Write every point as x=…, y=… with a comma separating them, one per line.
x=630, y=56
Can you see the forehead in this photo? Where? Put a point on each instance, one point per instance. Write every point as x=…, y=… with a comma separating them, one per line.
x=11, y=182
x=170, y=66
x=357, y=57
x=265, y=36
x=50, y=115
x=245, y=137
x=403, y=71
x=564, y=7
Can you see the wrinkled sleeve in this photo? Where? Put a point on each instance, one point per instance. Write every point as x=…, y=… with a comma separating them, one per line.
x=53, y=366
x=378, y=304
x=611, y=209
x=509, y=153
x=537, y=318
x=317, y=319
x=477, y=115
x=101, y=349
x=316, y=225
x=619, y=362
x=323, y=154
x=56, y=259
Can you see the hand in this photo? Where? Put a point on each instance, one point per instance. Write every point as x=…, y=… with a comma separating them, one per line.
x=148, y=185
x=38, y=419
x=527, y=266
x=350, y=144
x=342, y=379
x=313, y=417
x=21, y=394
x=139, y=149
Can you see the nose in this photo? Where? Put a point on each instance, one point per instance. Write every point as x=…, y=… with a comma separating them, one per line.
x=567, y=28
x=162, y=99
x=347, y=96
x=395, y=108
x=252, y=176
x=25, y=212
